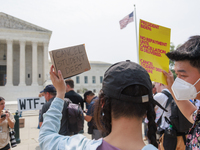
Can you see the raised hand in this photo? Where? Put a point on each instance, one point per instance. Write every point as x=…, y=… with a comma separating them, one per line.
x=170, y=79
x=58, y=82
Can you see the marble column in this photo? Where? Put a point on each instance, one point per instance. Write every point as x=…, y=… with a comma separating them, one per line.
x=9, y=70
x=46, y=61
x=34, y=64
x=22, y=63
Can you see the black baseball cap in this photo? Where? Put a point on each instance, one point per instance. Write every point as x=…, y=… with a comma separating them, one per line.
x=49, y=88
x=123, y=74
x=86, y=94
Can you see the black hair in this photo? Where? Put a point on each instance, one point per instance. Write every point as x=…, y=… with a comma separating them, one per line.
x=69, y=82
x=1, y=98
x=111, y=107
x=190, y=51
x=52, y=93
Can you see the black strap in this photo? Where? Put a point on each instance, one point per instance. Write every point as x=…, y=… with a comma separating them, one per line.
x=169, y=100
x=66, y=104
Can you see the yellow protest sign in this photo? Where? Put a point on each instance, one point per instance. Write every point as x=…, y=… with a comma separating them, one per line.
x=154, y=43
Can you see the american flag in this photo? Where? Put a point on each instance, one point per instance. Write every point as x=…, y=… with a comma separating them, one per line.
x=126, y=20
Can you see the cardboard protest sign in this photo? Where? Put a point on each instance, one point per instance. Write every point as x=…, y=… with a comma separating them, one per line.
x=70, y=61
x=154, y=43
x=31, y=103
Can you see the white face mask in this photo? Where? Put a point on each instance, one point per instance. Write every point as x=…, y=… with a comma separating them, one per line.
x=183, y=90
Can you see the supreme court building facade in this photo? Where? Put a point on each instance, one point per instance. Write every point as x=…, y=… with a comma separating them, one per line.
x=24, y=63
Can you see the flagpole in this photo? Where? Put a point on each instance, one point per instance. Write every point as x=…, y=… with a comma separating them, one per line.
x=136, y=34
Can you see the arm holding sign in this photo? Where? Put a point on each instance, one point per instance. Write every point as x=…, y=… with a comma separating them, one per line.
x=185, y=106
x=49, y=138
x=58, y=83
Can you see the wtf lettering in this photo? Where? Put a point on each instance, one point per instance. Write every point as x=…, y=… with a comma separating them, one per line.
x=30, y=103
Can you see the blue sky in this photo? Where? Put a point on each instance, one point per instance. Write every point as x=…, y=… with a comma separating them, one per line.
x=96, y=22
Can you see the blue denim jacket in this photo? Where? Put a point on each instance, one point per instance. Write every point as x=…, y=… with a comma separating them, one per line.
x=50, y=139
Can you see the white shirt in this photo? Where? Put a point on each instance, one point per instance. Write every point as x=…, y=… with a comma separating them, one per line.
x=162, y=99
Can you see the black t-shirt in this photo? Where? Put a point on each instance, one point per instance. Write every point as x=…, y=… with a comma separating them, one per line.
x=74, y=97
x=64, y=126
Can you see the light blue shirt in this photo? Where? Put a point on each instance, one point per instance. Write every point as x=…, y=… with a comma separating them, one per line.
x=50, y=139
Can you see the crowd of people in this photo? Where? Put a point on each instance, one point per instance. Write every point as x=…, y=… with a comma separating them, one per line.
x=128, y=98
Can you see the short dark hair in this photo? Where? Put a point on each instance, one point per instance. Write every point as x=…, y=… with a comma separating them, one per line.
x=88, y=93
x=51, y=93
x=1, y=98
x=190, y=51
x=69, y=82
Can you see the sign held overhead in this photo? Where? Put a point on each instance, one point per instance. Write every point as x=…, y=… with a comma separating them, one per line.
x=70, y=61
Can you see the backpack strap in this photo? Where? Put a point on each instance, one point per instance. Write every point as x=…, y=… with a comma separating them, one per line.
x=66, y=105
x=169, y=100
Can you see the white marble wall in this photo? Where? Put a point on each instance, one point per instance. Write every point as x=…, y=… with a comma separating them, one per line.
x=16, y=64
x=40, y=65
x=2, y=52
x=28, y=65
x=97, y=69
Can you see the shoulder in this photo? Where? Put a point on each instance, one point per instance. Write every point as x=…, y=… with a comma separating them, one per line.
x=46, y=106
x=92, y=103
x=195, y=113
x=79, y=96
x=160, y=96
x=83, y=142
x=149, y=147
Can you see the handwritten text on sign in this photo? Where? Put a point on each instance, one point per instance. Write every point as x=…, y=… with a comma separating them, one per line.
x=33, y=103
x=70, y=61
x=75, y=59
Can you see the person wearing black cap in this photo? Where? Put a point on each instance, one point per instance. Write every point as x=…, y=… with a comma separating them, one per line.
x=90, y=98
x=49, y=93
x=187, y=85
x=125, y=99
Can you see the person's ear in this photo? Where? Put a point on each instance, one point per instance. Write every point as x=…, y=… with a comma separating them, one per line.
x=102, y=103
x=68, y=86
x=48, y=94
x=87, y=97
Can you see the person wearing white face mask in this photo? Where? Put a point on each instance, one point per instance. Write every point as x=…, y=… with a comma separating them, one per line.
x=187, y=85
x=183, y=90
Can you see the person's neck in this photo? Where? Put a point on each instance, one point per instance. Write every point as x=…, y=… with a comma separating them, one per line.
x=50, y=98
x=70, y=90
x=160, y=89
x=91, y=99
x=126, y=134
